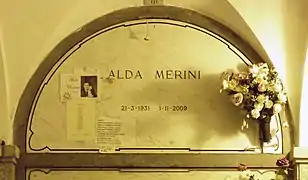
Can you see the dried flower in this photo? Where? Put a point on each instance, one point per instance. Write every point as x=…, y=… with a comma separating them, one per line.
x=283, y=162
x=242, y=167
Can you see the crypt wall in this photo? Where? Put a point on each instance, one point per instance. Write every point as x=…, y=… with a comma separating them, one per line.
x=142, y=102
x=45, y=24
x=16, y=81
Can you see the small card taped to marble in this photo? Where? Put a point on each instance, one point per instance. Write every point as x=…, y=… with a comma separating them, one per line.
x=113, y=133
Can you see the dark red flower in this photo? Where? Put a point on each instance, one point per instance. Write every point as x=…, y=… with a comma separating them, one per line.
x=283, y=162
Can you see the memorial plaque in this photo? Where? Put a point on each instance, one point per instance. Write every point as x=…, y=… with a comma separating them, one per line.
x=161, y=92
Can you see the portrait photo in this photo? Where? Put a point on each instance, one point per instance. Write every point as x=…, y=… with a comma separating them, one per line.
x=88, y=86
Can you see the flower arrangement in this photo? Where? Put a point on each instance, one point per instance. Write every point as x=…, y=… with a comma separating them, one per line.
x=259, y=92
x=284, y=167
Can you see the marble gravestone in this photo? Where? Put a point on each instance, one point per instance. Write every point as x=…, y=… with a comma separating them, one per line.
x=118, y=90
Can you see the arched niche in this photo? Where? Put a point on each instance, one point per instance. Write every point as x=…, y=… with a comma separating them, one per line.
x=40, y=103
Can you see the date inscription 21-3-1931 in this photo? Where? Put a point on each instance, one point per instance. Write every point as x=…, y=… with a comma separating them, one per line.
x=135, y=108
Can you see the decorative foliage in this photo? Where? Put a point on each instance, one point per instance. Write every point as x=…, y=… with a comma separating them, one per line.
x=67, y=96
x=259, y=91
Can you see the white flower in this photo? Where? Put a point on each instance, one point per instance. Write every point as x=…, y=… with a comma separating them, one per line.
x=278, y=87
x=237, y=99
x=269, y=104
x=264, y=69
x=282, y=97
x=277, y=108
x=258, y=106
x=261, y=98
x=255, y=113
x=254, y=70
x=225, y=84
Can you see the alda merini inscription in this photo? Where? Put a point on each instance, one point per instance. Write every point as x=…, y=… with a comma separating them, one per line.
x=158, y=74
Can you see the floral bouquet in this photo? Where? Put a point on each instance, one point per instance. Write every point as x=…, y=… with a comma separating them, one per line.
x=259, y=92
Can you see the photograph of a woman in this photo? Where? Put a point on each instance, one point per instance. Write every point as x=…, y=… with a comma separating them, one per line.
x=88, y=86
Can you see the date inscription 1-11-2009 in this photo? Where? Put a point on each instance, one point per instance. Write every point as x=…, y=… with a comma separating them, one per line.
x=175, y=108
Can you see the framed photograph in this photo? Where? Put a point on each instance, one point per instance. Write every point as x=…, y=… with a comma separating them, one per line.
x=89, y=86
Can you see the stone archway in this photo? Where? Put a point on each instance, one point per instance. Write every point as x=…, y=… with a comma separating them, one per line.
x=29, y=96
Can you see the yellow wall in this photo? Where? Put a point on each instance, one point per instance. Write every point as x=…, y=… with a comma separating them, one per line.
x=282, y=28
x=30, y=29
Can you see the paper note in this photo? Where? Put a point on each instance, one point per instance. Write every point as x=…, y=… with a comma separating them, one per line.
x=114, y=133
x=80, y=116
x=69, y=87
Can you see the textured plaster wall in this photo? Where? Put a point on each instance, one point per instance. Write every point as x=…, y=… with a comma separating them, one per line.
x=5, y=131
x=30, y=29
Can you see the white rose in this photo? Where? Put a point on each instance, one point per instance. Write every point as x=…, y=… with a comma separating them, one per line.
x=237, y=99
x=258, y=106
x=269, y=104
x=277, y=108
x=255, y=113
x=282, y=97
x=278, y=87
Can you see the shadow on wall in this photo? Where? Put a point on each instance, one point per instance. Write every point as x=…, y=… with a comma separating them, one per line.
x=212, y=111
x=295, y=47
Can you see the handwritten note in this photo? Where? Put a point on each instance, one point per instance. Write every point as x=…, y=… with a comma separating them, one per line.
x=70, y=87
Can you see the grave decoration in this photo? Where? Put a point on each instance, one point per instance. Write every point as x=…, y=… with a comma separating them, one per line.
x=259, y=92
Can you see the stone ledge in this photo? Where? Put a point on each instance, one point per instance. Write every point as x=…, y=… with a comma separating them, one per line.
x=300, y=155
x=148, y=160
x=300, y=152
x=9, y=153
